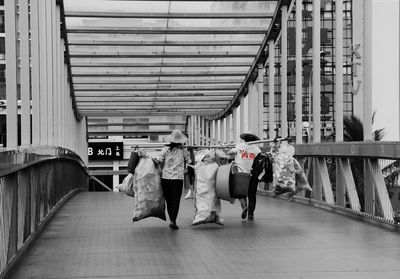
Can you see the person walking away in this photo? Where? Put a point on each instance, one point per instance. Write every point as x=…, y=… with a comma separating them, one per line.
x=173, y=158
x=244, y=156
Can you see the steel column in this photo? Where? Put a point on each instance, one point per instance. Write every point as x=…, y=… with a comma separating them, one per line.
x=316, y=77
x=250, y=109
x=57, y=91
x=271, y=91
x=50, y=70
x=214, y=131
x=299, y=73
x=242, y=118
x=234, y=125
x=25, y=73
x=228, y=129
x=222, y=130
x=284, y=123
x=34, y=18
x=339, y=71
x=43, y=73
x=195, y=142
x=367, y=119
x=11, y=73
x=260, y=101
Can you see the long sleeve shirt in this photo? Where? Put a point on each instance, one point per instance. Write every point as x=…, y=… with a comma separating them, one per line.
x=173, y=160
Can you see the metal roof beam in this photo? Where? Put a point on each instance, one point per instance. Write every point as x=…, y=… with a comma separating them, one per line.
x=108, y=14
x=160, y=74
x=134, y=113
x=113, y=82
x=158, y=65
x=96, y=124
x=159, y=87
x=164, y=30
x=149, y=90
x=96, y=42
x=209, y=94
x=155, y=54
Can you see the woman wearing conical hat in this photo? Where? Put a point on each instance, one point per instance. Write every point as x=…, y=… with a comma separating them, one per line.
x=173, y=158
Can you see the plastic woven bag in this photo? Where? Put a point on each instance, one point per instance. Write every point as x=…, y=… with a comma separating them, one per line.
x=127, y=185
x=207, y=204
x=149, y=199
x=284, y=169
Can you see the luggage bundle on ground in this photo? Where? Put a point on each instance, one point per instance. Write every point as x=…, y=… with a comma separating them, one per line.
x=206, y=202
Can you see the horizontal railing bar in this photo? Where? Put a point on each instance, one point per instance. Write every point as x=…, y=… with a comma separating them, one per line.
x=382, y=150
x=18, y=167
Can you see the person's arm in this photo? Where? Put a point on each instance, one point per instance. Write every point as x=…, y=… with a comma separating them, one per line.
x=161, y=157
x=186, y=156
x=233, y=151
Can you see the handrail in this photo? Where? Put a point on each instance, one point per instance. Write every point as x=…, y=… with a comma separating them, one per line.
x=14, y=160
x=372, y=149
x=361, y=176
x=36, y=181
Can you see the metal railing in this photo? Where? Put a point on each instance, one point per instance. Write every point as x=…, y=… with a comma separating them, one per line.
x=355, y=177
x=34, y=183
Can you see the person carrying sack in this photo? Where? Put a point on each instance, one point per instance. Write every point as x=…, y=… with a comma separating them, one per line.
x=244, y=157
x=173, y=158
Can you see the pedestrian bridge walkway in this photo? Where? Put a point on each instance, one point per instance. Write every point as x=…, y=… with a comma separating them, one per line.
x=92, y=236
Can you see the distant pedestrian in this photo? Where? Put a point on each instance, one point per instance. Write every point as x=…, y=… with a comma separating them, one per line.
x=244, y=157
x=172, y=159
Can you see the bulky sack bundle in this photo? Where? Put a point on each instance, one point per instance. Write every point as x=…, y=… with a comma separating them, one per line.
x=149, y=199
x=127, y=185
x=207, y=204
x=288, y=173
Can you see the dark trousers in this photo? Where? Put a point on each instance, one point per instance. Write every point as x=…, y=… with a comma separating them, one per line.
x=252, y=194
x=172, y=189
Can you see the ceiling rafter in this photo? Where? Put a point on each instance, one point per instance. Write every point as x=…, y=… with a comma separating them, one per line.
x=109, y=14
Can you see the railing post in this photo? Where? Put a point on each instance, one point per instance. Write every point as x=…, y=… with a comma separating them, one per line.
x=339, y=71
x=11, y=73
x=25, y=73
x=284, y=123
x=34, y=23
x=299, y=73
x=271, y=90
x=260, y=101
x=316, y=71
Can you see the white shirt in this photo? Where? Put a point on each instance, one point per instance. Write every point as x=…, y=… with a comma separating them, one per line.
x=245, y=154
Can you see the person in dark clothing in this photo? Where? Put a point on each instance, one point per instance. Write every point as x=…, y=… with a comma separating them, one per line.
x=173, y=158
x=244, y=156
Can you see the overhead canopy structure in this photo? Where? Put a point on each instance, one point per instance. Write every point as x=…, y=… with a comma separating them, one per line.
x=163, y=57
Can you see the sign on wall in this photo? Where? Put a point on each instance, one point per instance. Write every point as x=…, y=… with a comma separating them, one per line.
x=105, y=150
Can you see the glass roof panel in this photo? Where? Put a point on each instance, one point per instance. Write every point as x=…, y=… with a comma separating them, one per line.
x=171, y=48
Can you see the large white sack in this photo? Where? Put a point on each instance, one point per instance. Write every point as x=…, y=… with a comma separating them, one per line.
x=149, y=199
x=207, y=204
